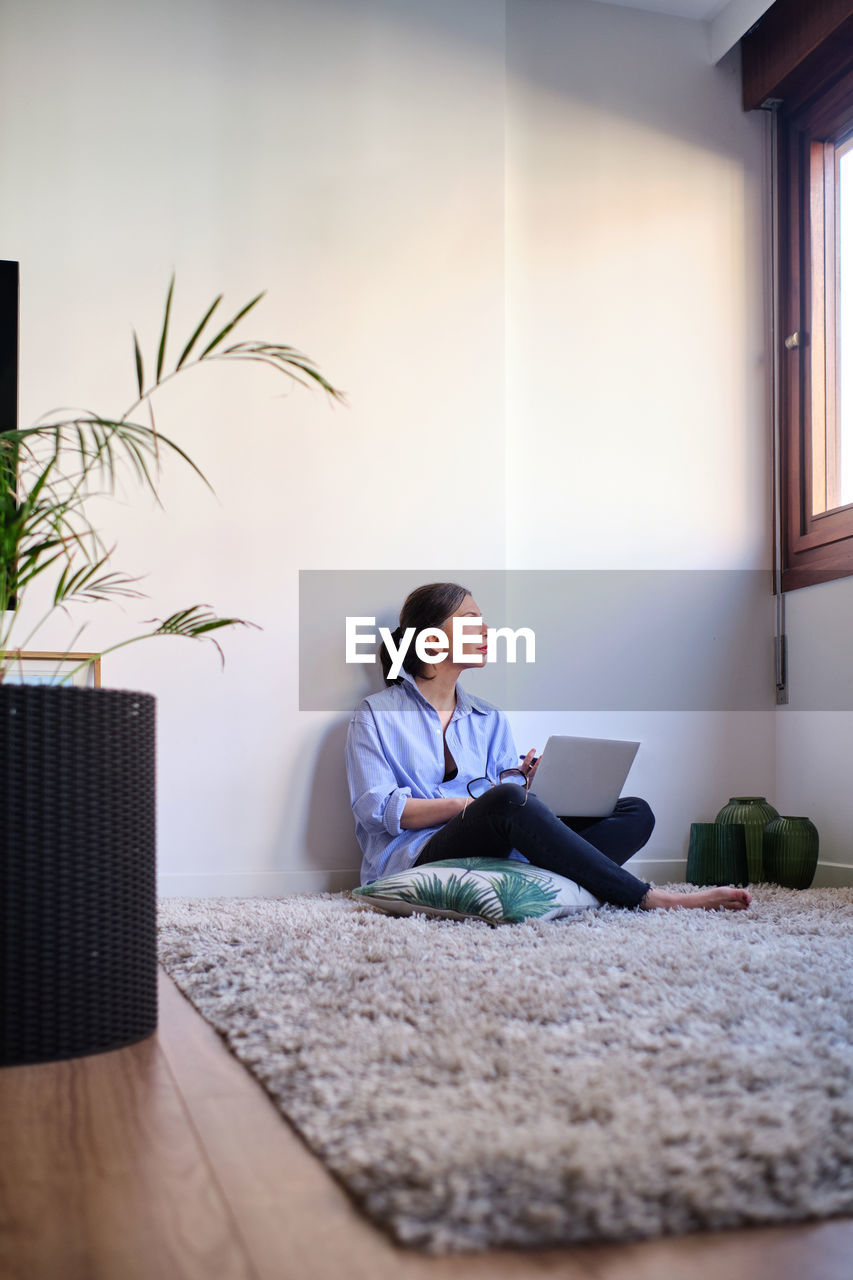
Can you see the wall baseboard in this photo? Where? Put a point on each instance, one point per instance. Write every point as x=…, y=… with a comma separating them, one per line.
x=254, y=884
x=279, y=884
x=658, y=870
x=829, y=875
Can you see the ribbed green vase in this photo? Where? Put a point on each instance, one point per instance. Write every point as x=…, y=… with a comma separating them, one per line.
x=790, y=852
x=754, y=813
x=717, y=854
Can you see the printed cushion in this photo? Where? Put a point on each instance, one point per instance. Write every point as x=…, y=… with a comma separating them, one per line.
x=499, y=890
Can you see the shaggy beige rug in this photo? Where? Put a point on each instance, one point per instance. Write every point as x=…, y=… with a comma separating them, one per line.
x=616, y=1075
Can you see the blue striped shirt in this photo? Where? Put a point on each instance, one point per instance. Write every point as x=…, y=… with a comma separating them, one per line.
x=395, y=750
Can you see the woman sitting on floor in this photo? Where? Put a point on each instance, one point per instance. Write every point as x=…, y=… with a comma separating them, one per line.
x=413, y=748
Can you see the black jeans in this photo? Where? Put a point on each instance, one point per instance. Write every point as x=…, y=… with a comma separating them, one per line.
x=588, y=850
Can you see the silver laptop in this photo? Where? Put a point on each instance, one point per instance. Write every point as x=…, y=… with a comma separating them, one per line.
x=583, y=777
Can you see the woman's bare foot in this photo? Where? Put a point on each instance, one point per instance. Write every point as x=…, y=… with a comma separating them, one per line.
x=728, y=898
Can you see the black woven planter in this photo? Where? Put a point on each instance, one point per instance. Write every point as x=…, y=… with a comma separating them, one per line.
x=77, y=846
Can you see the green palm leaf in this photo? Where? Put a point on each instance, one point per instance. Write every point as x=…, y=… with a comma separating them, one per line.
x=197, y=333
x=454, y=894
x=196, y=623
x=89, y=583
x=140, y=376
x=161, y=351
x=223, y=333
x=457, y=893
x=283, y=359
x=522, y=896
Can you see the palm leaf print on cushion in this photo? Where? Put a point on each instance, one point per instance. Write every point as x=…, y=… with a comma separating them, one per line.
x=497, y=890
x=491, y=864
x=522, y=896
x=457, y=893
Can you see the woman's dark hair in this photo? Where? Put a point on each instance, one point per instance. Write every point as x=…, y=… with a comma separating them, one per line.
x=425, y=608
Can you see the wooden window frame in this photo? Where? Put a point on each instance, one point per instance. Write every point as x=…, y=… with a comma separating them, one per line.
x=817, y=546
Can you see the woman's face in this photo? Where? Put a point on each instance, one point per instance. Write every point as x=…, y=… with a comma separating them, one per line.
x=474, y=648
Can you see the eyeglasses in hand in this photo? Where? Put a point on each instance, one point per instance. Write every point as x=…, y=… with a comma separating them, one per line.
x=479, y=786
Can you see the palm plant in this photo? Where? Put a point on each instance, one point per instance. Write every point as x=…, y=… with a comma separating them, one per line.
x=51, y=470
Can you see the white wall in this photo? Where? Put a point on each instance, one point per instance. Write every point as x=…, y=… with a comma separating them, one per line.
x=350, y=159
x=637, y=426
x=731, y=22
x=814, y=732
x=524, y=237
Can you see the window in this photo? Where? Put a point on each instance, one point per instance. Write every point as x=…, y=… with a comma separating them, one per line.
x=816, y=316
x=798, y=59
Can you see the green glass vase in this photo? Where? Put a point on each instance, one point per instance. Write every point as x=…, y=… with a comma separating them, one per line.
x=790, y=852
x=754, y=813
x=717, y=854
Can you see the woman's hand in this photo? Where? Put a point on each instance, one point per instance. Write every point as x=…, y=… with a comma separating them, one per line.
x=530, y=764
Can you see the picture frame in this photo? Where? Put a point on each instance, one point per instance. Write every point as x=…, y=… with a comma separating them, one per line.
x=41, y=666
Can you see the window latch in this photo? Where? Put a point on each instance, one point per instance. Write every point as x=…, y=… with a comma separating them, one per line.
x=793, y=340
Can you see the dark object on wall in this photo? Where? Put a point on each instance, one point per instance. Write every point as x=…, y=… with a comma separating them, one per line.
x=717, y=854
x=77, y=859
x=791, y=848
x=8, y=345
x=754, y=813
x=9, y=291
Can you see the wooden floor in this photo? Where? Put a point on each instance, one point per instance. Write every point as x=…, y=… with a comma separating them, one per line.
x=165, y=1161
